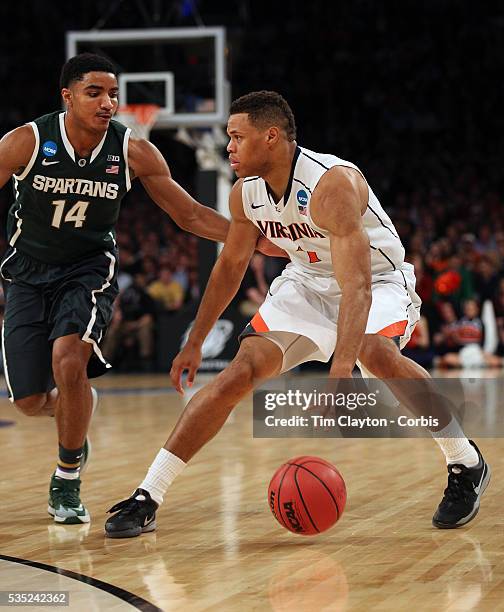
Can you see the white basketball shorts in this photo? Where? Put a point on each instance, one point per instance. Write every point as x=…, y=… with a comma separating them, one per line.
x=300, y=312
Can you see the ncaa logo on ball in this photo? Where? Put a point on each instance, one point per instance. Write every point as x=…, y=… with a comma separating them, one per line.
x=49, y=148
x=292, y=518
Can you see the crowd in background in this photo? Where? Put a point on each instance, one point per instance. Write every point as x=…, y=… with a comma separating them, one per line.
x=410, y=94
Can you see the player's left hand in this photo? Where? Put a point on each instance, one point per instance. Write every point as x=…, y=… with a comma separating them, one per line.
x=339, y=382
x=188, y=359
x=266, y=247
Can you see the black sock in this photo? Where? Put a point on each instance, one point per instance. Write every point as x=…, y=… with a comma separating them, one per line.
x=69, y=462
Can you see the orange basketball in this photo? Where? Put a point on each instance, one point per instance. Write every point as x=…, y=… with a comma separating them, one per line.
x=307, y=495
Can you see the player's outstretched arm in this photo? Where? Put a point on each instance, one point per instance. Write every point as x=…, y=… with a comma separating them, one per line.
x=16, y=149
x=150, y=167
x=222, y=286
x=338, y=203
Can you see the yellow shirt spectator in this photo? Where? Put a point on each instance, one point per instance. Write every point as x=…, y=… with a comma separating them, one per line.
x=166, y=291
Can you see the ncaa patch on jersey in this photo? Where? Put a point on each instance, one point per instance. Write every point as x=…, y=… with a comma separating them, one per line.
x=302, y=200
x=115, y=158
x=49, y=148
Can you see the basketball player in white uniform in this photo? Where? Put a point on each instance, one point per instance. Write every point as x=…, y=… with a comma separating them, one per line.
x=347, y=292
x=305, y=299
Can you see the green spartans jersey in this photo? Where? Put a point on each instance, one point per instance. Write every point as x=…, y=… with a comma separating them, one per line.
x=66, y=207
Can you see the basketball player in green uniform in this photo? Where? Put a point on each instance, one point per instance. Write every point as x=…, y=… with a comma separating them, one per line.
x=71, y=170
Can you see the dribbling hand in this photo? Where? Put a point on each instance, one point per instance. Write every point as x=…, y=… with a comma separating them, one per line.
x=188, y=359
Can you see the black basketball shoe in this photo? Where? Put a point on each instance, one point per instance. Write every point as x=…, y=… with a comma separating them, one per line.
x=461, y=500
x=135, y=515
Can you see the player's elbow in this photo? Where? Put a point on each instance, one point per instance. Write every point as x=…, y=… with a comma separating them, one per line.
x=185, y=224
x=186, y=221
x=192, y=221
x=233, y=266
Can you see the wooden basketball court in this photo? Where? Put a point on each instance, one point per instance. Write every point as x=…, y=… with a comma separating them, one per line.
x=217, y=546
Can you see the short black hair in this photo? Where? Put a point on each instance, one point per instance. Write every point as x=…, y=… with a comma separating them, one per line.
x=266, y=108
x=79, y=65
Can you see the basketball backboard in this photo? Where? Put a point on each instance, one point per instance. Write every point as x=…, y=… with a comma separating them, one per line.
x=182, y=70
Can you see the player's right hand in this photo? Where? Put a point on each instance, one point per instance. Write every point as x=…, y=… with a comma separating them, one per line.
x=188, y=359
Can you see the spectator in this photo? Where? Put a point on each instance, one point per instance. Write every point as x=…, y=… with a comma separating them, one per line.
x=445, y=339
x=466, y=251
x=168, y=293
x=485, y=244
x=254, y=287
x=467, y=336
x=424, y=283
x=453, y=282
x=485, y=278
x=132, y=324
x=437, y=258
x=419, y=346
x=194, y=285
x=181, y=273
x=128, y=266
x=470, y=326
x=150, y=269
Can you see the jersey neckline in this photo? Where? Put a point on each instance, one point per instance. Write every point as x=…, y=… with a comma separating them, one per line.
x=282, y=202
x=68, y=145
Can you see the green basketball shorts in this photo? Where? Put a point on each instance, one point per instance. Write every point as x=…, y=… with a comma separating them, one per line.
x=44, y=302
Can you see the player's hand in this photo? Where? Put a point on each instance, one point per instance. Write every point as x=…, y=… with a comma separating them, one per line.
x=188, y=359
x=334, y=386
x=266, y=247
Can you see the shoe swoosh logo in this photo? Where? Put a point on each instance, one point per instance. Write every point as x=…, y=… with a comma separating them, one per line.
x=147, y=520
x=258, y=206
x=478, y=488
x=46, y=162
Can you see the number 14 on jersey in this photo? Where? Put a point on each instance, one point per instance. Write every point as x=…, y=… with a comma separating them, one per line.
x=76, y=214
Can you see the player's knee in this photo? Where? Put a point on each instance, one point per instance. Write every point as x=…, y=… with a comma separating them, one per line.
x=68, y=368
x=253, y=367
x=238, y=375
x=31, y=405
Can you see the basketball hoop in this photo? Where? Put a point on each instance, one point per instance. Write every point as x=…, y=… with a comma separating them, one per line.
x=139, y=117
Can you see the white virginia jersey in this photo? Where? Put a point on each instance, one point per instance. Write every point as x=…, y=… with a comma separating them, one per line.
x=288, y=223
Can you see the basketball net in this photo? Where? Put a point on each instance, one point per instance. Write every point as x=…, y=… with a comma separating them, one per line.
x=139, y=117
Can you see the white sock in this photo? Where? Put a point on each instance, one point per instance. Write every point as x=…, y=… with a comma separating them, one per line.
x=73, y=475
x=162, y=472
x=455, y=445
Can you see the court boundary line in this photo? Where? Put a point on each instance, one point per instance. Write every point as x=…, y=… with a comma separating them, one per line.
x=134, y=600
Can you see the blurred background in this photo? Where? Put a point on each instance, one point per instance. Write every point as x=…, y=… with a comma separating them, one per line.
x=411, y=95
